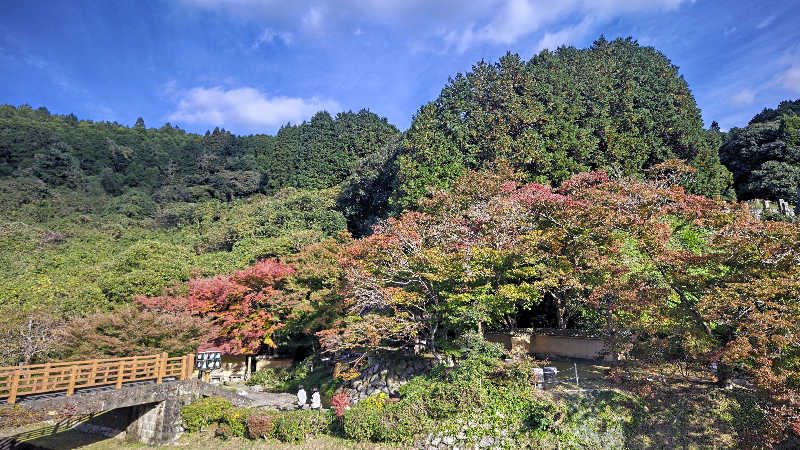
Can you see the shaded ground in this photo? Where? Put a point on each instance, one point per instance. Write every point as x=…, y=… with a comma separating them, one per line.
x=673, y=406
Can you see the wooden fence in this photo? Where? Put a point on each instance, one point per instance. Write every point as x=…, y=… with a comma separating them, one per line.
x=68, y=376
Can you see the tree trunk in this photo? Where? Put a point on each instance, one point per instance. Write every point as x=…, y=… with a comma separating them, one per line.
x=561, y=310
x=432, y=342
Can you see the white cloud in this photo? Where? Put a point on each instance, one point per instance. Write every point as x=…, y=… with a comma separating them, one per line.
x=515, y=19
x=244, y=108
x=459, y=25
x=312, y=19
x=743, y=97
x=564, y=36
x=269, y=36
x=790, y=79
x=765, y=23
x=169, y=88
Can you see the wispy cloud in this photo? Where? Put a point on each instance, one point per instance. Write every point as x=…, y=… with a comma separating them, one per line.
x=790, y=79
x=743, y=97
x=457, y=25
x=313, y=18
x=789, y=76
x=766, y=22
x=515, y=19
x=268, y=36
x=564, y=36
x=244, y=108
x=49, y=68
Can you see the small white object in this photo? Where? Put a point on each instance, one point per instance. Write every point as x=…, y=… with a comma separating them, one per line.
x=316, y=402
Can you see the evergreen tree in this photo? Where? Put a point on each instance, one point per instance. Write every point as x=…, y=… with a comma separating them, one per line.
x=765, y=155
x=615, y=105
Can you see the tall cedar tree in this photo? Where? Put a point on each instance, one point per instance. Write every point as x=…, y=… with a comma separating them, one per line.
x=615, y=106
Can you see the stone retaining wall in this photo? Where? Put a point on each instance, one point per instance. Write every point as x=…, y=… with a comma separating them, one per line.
x=387, y=375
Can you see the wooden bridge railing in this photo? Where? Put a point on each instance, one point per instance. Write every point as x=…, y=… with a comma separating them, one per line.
x=68, y=376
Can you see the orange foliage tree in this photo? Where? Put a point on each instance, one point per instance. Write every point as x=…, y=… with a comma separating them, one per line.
x=247, y=307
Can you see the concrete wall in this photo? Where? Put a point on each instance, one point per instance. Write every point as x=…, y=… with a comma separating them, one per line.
x=516, y=343
x=543, y=344
x=503, y=339
x=569, y=347
x=273, y=363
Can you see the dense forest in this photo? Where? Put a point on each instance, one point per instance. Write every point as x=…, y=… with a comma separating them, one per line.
x=578, y=189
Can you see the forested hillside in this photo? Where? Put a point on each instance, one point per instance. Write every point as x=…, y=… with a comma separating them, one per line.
x=169, y=164
x=765, y=155
x=576, y=190
x=94, y=213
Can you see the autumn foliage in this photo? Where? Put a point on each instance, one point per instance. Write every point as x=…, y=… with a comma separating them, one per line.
x=131, y=331
x=247, y=307
x=659, y=271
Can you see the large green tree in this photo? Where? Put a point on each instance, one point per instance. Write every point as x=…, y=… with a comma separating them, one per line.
x=615, y=105
x=320, y=153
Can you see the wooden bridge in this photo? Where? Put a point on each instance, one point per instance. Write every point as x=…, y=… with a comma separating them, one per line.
x=67, y=377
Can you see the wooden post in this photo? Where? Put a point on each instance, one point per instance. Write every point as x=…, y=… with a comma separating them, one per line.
x=189, y=365
x=162, y=367
x=183, y=368
x=185, y=364
x=12, y=391
x=92, y=374
x=119, y=374
x=45, y=378
x=71, y=386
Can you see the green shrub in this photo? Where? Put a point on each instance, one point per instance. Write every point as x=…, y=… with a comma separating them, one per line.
x=134, y=204
x=361, y=423
x=495, y=399
x=270, y=379
x=297, y=426
x=377, y=401
x=204, y=412
x=175, y=215
x=401, y=422
x=236, y=420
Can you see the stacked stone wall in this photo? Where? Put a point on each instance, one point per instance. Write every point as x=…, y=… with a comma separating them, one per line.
x=387, y=375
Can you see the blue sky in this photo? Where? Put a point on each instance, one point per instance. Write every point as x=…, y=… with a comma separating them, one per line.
x=252, y=65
